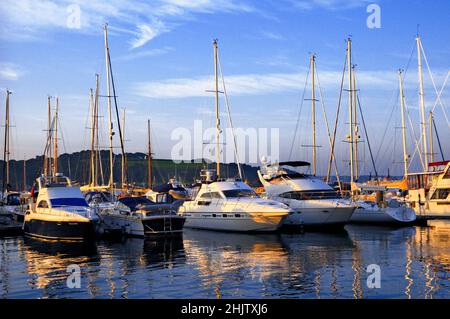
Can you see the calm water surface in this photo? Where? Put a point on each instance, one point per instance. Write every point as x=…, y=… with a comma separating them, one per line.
x=414, y=261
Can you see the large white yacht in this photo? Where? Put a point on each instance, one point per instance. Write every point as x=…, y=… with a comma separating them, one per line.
x=315, y=203
x=60, y=211
x=231, y=205
x=429, y=192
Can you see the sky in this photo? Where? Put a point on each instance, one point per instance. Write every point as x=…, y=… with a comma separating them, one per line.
x=162, y=59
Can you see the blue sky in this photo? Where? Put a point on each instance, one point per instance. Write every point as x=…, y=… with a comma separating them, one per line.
x=162, y=58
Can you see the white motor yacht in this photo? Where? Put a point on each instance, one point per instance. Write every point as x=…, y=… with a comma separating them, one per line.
x=315, y=204
x=231, y=205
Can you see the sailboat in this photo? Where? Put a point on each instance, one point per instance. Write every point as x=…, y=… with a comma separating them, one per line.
x=429, y=190
x=380, y=210
x=59, y=212
x=229, y=204
x=314, y=202
x=10, y=199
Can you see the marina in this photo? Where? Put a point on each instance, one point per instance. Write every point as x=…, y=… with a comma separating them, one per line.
x=146, y=183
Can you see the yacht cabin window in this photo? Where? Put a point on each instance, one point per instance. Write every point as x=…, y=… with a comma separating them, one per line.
x=43, y=204
x=236, y=193
x=441, y=193
x=310, y=195
x=211, y=195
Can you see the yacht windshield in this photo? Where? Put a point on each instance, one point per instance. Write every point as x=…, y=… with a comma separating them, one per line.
x=235, y=193
x=13, y=200
x=59, y=202
x=310, y=195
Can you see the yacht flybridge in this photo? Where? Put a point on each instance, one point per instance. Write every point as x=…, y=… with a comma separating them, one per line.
x=429, y=192
x=60, y=211
x=315, y=203
x=231, y=205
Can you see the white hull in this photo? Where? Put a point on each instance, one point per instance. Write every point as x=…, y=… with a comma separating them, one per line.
x=132, y=225
x=432, y=210
x=245, y=223
x=388, y=215
x=319, y=216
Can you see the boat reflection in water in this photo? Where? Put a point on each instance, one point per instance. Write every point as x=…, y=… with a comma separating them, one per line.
x=250, y=266
x=414, y=262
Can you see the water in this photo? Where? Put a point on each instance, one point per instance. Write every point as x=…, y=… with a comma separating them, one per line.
x=414, y=261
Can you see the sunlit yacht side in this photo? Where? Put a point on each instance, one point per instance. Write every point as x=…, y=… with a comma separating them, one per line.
x=315, y=203
x=60, y=211
x=231, y=205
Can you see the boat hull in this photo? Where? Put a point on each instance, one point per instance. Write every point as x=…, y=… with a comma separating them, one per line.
x=388, y=215
x=319, y=217
x=115, y=224
x=248, y=222
x=59, y=230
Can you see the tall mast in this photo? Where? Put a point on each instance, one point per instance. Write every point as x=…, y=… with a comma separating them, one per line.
x=350, y=107
x=430, y=123
x=47, y=153
x=422, y=104
x=123, y=154
x=55, y=164
x=355, y=125
x=108, y=88
x=96, y=144
x=24, y=175
x=6, y=147
x=216, y=78
x=402, y=104
x=313, y=116
x=149, y=158
x=92, y=155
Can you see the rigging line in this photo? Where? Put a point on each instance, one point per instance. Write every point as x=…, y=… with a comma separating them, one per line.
x=440, y=92
x=367, y=136
x=117, y=113
x=299, y=112
x=236, y=153
x=326, y=123
x=434, y=85
x=336, y=121
x=438, y=140
x=386, y=128
x=417, y=141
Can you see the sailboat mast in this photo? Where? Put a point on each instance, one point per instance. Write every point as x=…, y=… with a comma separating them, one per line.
x=108, y=88
x=8, y=93
x=350, y=107
x=149, y=158
x=92, y=107
x=55, y=164
x=123, y=154
x=47, y=154
x=430, y=123
x=313, y=116
x=355, y=125
x=422, y=104
x=5, y=178
x=96, y=143
x=24, y=174
x=402, y=105
x=216, y=78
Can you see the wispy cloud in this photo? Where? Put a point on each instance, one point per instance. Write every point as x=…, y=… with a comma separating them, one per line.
x=10, y=71
x=272, y=35
x=144, y=53
x=328, y=4
x=143, y=20
x=254, y=84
